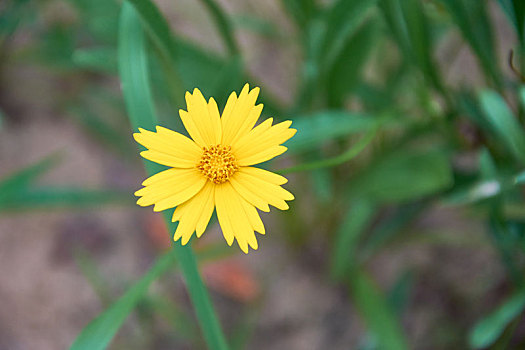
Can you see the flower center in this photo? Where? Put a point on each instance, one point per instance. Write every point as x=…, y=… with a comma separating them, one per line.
x=217, y=163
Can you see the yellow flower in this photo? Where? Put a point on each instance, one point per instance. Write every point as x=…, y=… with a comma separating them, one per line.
x=213, y=170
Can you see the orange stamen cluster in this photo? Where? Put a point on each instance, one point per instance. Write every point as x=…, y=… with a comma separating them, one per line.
x=217, y=163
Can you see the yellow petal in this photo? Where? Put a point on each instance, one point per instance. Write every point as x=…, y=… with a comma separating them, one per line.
x=268, y=192
x=180, y=197
x=168, y=147
x=265, y=175
x=262, y=156
x=194, y=214
x=249, y=196
x=221, y=206
x=253, y=216
x=262, y=143
x=192, y=128
x=237, y=222
x=172, y=180
x=203, y=119
x=171, y=188
x=240, y=114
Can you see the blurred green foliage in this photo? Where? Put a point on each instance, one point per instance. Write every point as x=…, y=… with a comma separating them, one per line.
x=381, y=126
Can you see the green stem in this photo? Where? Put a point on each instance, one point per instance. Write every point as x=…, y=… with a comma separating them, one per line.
x=134, y=74
x=334, y=161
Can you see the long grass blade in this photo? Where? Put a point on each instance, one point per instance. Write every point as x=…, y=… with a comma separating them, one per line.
x=139, y=102
x=347, y=238
x=224, y=25
x=378, y=315
x=504, y=125
x=334, y=161
x=98, y=334
x=160, y=34
x=488, y=329
x=61, y=197
x=21, y=179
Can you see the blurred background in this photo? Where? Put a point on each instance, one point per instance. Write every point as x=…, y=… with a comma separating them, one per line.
x=408, y=227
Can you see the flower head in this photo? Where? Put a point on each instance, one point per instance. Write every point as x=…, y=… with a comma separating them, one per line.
x=213, y=170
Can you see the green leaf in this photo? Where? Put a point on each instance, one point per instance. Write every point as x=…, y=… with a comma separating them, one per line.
x=488, y=330
x=374, y=309
x=356, y=219
x=503, y=123
x=404, y=175
x=98, y=334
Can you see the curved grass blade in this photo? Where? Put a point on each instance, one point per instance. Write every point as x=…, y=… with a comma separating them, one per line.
x=342, y=21
x=51, y=198
x=356, y=219
x=473, y=21
x=377, y=313
x=133, y=70
x=21, y=179
x=489, y=329
x=326, y=37
x=409, y=26
x=13, y=13
x=515, y=10
x=98, y=334
x=503, y=123
x=334, y=161
x=342, y=77
x=224, y=25
x=315, y=129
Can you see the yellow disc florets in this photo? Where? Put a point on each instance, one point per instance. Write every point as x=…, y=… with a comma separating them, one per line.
x=217, y=163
